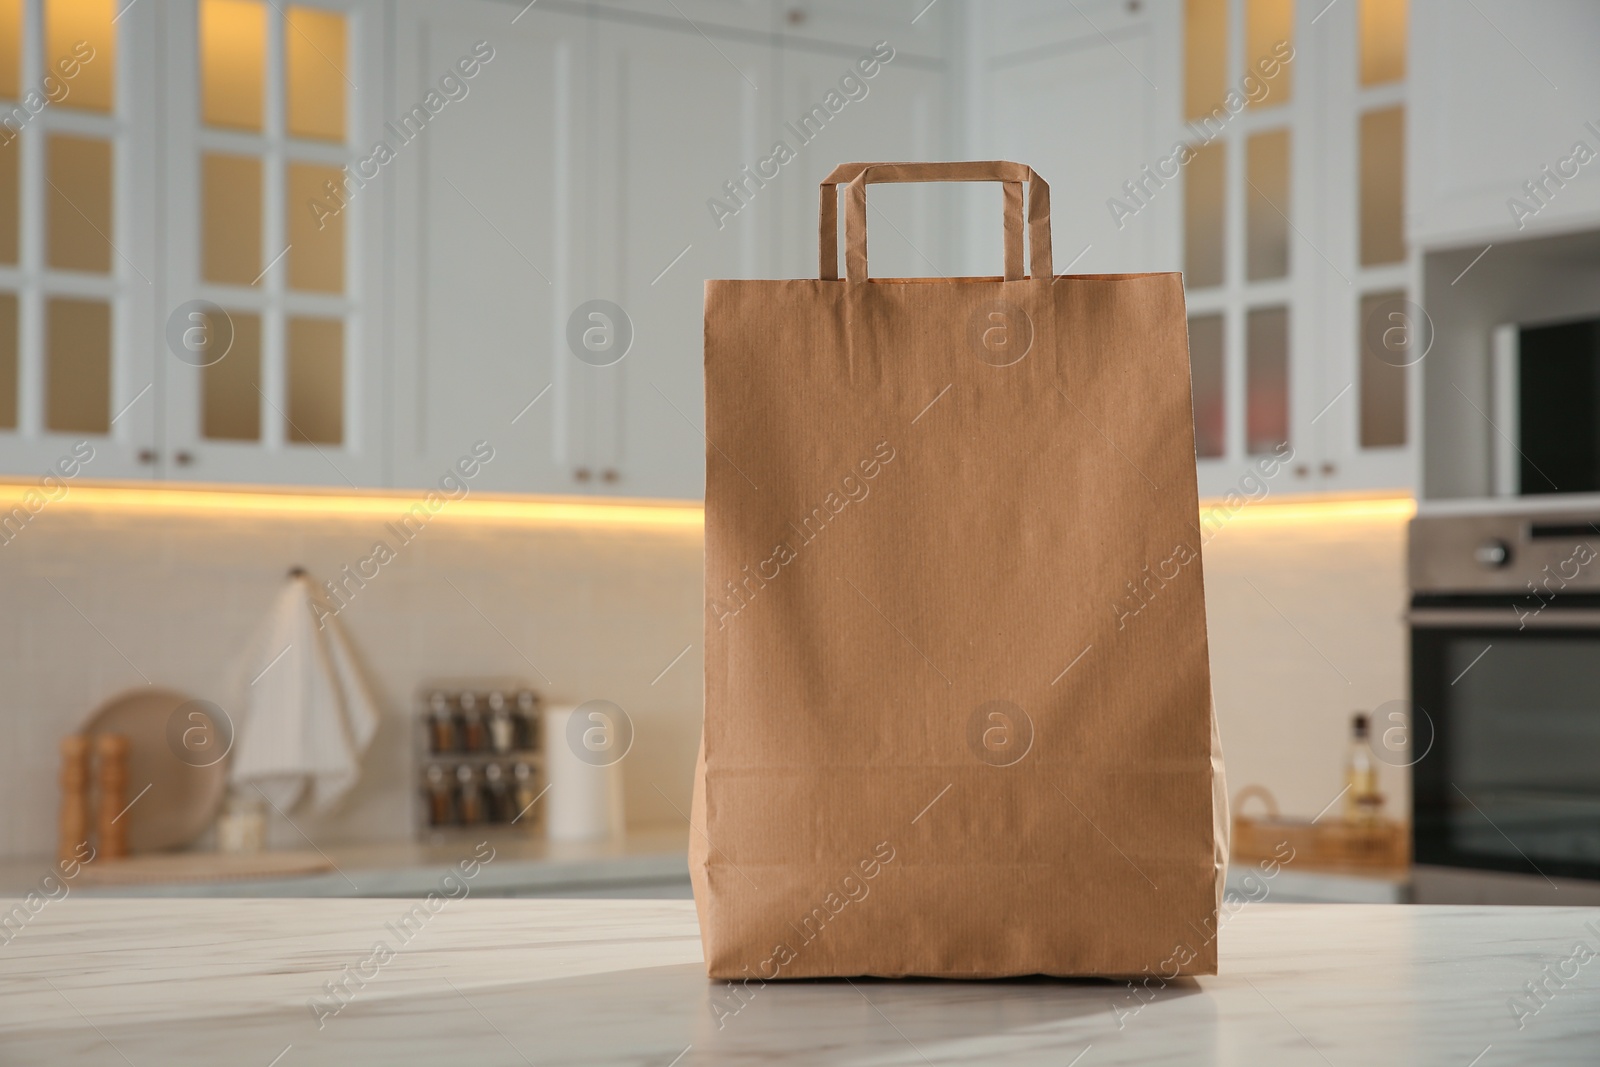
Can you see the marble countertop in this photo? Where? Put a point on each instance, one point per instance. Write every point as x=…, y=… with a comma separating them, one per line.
x=653, y=861
x=482, y=982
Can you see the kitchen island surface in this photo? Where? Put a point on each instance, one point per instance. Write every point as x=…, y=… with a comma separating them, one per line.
x=285, y=983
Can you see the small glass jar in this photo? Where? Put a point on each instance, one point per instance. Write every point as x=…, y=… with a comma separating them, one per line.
x=502, y=730
x=473, y=738
x=525, y=794
x=497, y=795
x=471, y=796
x=242, y=826
x=441, y=724
x=527, y=720
x=441, y=807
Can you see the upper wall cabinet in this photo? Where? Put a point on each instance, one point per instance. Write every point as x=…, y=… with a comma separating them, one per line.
x=79, y=277
x=655, y=239
x=1047, y=62
x=270, y=365
x=1495, y=158
x=189, y=281
x=1256, y=146
x=569, y=213
x=494, y=243
x=893, y=112
x=910, y=27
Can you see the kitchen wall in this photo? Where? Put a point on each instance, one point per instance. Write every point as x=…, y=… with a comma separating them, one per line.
x=1305, y=607
x=1304, y=603
x=599, y=607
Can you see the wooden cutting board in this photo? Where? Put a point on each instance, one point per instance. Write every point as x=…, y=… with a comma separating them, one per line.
x=165, y=868
x=173, y=792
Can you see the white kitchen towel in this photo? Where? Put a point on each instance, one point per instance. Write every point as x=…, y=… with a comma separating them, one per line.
x=309, y=716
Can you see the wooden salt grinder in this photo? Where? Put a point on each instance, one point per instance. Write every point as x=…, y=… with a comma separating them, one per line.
x=112, y=775
x=74, y=824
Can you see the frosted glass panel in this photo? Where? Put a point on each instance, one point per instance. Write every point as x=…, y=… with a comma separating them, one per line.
x=81, y=32
x=1267, y=205
x=316, y=235
x=78, y=366
x=10, y=49
x=10, y=198
x=8, y=361
x=1205, y=370
x=1203, y=216
x=1383, y=41
x=230, y=231
x=78, y=224
x=1383, y=385
x=316, y=381
x=315, y=64
x=1205, y=56
x=233, y=62
x=230, y=405
x=1383, y=238
x=1268, y=22
x=1266, y=379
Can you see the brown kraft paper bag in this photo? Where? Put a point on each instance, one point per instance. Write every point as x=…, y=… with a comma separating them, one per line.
x=958, y=718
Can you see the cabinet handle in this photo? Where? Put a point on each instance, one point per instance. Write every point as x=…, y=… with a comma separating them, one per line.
x=147, y=455
x=609, y=475
x=1328, y=468
x=1301, y=471
x=183, y=459
x=581, y=474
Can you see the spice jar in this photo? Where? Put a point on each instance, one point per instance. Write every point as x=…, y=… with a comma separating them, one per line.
x=440, y=808
x=527, y=720
x=502, y=727
x=497, y=794
x=522, y=776
x=472, y=731
x=471, y=802
x=441, y=727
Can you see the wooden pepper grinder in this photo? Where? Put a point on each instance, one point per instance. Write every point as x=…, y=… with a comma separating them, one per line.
x=112, y=775
x=74, y=824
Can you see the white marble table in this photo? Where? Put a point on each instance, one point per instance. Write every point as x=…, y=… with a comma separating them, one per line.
x=176, y=982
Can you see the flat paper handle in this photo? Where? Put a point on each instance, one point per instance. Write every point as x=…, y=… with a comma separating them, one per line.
x=860, y=175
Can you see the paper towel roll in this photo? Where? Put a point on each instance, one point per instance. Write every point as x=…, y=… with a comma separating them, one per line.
x=585, y=798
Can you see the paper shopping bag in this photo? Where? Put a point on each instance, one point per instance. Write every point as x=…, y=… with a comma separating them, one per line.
x=957, y=704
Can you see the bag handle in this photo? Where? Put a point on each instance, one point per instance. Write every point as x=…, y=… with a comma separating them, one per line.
x=859, y=175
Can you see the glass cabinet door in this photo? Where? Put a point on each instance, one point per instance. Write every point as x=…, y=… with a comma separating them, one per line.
x=276, y=187
x=77, y=275
x=1295, y=261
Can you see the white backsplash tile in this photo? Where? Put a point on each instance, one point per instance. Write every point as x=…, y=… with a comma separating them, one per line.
x=599, y=610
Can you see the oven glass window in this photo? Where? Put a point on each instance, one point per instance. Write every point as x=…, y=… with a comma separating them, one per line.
x=1520, y=748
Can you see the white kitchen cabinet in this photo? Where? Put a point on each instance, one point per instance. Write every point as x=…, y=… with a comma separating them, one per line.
x=912, y=27
x=659, y=158
x=1095, y=95
x=294, y=392
x=1085, y=111
x=1480, y=139
x=910, y=228
x=79, y=271
x=494, y=247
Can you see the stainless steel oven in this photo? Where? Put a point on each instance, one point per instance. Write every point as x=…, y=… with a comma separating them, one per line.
x=1505, y=723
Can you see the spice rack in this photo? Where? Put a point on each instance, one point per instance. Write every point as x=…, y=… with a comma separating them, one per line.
x=479, y=766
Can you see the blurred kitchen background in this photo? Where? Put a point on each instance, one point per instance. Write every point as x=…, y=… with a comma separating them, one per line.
x=408, y=295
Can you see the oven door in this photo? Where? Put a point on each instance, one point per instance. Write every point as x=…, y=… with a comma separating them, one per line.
x=1511, y=781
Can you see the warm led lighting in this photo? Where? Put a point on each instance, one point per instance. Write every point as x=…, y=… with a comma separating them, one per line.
x=1271, y=512
x=570, y=512
x=381, y=505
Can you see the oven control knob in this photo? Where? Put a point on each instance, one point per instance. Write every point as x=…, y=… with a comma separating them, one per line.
x=1493, y=553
